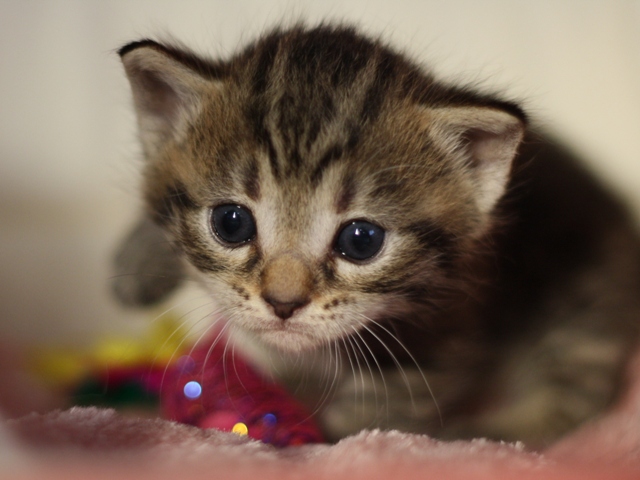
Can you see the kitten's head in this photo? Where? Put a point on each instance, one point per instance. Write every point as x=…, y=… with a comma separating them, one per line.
x=317, y=182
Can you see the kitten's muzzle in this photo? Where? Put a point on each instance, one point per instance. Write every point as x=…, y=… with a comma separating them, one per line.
x=286, y=285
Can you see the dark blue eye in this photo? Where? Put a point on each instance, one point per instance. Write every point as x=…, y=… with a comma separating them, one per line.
x=359, y=240
x=233, y=224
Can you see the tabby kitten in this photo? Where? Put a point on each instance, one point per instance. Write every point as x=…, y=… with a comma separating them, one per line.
x=393, y=233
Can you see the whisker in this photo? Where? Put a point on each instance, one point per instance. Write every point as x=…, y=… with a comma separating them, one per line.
x=362, y=385
x=219, y=337
x=329, y=382
x=384, y=382
x=224, y=359
x=235, y=367
x=353, y=369
x=184, y=339
x=399, y=366
x=180, y=327
x=371, y=374
x=413, y=359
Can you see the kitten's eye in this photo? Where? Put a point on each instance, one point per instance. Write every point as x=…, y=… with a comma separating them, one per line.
x=233, y=224
x=359, y=240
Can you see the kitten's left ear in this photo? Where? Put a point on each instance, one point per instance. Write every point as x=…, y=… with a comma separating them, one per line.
x=485, y=140
x=168, y=88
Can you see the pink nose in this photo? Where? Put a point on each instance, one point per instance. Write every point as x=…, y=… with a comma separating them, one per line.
x=284, y=310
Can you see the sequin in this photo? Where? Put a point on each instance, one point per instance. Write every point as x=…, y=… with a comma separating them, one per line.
x=192, y=390
x=240, y=428
x=269, y=419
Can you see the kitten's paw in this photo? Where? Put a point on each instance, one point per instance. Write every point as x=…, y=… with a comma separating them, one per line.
x=147, y=266
x=537, y=420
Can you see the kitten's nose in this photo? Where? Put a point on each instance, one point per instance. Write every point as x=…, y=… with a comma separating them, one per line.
x=286, y=285
x=284, y=310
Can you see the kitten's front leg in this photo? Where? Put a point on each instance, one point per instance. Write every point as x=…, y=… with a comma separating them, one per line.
x=569, y=376
x=389, y=398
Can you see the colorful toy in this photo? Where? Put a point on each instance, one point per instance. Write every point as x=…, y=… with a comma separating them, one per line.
x=212, y=387
x=118, y=372
x=207, y=387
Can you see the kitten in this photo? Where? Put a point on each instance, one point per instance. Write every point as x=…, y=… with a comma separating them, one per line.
x=461, y=276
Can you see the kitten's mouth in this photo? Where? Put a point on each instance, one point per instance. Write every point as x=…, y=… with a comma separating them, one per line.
x=287, y=335
x=278, y=326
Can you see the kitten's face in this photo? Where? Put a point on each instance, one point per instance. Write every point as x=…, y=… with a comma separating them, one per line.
x=276, y=242
x=314, y=197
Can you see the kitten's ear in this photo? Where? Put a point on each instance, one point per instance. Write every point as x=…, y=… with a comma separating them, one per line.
x=148, y=268
x=486, y=141
x=167, y=92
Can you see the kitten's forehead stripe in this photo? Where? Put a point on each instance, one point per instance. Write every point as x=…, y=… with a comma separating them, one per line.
x=333, y=153
x=323, y=50
x=374, y=98
x=273, y=157
x=303, y=72
x=347, y=192
x=251, y=179
x=313, y=131
x=256, y=114
x=265, y=63
x=354, y=137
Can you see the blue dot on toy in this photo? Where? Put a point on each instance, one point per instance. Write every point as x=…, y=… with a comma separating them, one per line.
x=192, y=390
x=269, y=419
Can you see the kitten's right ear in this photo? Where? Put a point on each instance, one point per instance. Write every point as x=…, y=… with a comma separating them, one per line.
x=167, y=90
x=485, y=141
x=148, y=267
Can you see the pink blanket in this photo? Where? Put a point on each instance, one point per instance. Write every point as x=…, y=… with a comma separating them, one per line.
x=97, y=443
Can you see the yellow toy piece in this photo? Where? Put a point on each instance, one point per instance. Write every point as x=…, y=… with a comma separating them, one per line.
x=63, y=366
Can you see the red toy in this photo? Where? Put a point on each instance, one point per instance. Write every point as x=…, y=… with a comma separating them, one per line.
x=212, y=387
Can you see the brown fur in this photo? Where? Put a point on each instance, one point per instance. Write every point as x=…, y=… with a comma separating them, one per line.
x=507, y=316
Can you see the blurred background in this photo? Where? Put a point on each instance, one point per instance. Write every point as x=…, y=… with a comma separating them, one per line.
x=69, y=160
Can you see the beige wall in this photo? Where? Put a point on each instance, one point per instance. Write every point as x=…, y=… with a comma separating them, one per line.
x=68, y=157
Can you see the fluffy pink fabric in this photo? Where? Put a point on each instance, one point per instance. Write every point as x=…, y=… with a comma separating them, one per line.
x=96, y=443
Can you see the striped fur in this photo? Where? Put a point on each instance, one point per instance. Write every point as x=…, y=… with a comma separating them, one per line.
x=310, y=129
